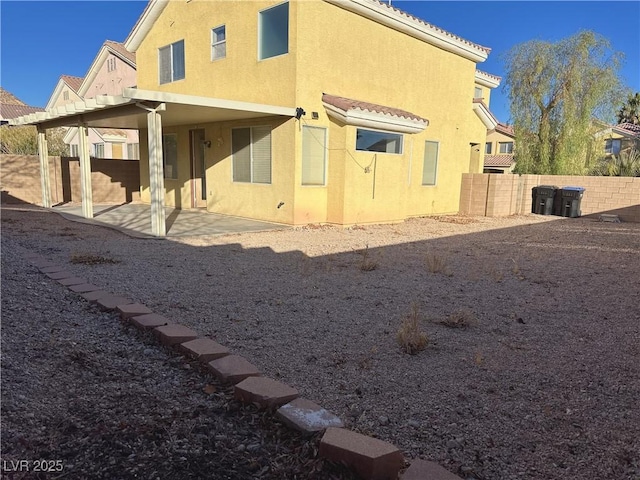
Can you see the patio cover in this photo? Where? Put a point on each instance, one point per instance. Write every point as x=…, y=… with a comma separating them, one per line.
x=136, y=109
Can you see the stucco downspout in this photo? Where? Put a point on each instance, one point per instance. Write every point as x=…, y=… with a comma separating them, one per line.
x=43, y=153
x=85, y=172
x=156, y=170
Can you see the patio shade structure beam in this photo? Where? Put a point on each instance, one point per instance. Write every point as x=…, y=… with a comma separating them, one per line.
x=43, y=153
x=85, y=172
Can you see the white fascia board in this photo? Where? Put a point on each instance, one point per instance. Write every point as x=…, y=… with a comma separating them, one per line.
x=56, y=93
x=114, y=138
x=144, y=24
x=429, y=34
x=485, y=116
x=111, y=100
x=165, y=97
x=70, y=135
x=486, y=80
x=380, y=121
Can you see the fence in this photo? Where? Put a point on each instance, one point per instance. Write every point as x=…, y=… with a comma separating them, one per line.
x=112, y=181
x=495, y=195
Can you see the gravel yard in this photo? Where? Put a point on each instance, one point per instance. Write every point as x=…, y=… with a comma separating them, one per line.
x=541, y=380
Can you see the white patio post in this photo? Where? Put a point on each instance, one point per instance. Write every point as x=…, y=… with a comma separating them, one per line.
x=85, y=172
x=156, y=172
x=43, y=154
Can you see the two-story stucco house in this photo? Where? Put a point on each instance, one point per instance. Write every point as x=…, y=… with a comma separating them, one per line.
x=302, y=111
x=386, y=120
x=499, y=149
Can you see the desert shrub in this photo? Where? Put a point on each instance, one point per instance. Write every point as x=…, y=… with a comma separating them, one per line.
x=409, y=336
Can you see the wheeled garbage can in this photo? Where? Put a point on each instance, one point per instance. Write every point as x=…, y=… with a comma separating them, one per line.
x=570, y=201
x=543, y=196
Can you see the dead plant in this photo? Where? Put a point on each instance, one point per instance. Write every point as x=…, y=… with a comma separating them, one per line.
x=367, y=265
x=436, y=263
x=409, y=336
x=459, y=319
x=89, y=259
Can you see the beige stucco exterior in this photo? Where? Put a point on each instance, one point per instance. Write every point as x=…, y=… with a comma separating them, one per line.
x=330, y=51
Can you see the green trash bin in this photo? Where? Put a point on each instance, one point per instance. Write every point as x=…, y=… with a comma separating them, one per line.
x=543, y=198
x=570, y=201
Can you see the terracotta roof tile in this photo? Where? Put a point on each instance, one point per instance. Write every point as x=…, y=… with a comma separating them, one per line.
x=506, y=129
x=498, y=160
x=8, y=98
x=73, y=82
x=15, y=111
x=119, y=48
x=114, y=132
x=629, y=127
x=350, y=104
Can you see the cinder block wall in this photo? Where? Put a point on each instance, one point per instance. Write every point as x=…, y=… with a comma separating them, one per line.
x=112, y=181
x=500, y=195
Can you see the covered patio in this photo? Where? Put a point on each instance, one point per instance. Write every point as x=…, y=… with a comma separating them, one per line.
x=137, y=109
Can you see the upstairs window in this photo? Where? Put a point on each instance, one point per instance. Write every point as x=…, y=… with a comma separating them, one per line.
x=273, y=32
x=612, y=146
x=218, y=43
x=171, y=62
x=65, y=95
x=487, y=148
x=506, y=147
x=111, y=64
x=372, y=141
x=477, y=93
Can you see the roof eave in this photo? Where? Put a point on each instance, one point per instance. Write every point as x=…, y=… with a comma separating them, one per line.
x=144, y=24
x=381, y=121
x=402, y=23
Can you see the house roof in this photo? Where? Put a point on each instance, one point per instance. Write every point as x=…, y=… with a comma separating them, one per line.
x=348, y=104
x=120, y=49
x=372, y=9
x=505, y=129
x=498, y=160
x=73, y=82
x=628, y=128
x=487, y=79
x=12, y=107
x=366, y=114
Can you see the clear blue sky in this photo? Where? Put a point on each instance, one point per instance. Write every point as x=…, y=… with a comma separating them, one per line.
x=42, y=40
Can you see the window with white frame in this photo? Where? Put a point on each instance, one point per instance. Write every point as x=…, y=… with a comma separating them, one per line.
x=314, y=148
x=251, y=154
x=477, y=93
x=133, y=151
x=487, y=148
x=375, y=141
x=171, y=62
x=73, y=150
x=218, y=42
x=273, y=31
x=430, y=163
x=505, y=147
x=612, y=146
x=98, y=150
x=170, y=155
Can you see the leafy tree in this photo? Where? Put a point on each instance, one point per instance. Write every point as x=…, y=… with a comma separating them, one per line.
x=555, y=90
x=630, y=111
x=23, y=140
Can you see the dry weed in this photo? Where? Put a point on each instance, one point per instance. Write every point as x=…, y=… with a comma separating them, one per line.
x=459, y=319
x=367, y=265
x=409, y=336
x=436, y=263
x=89, y=259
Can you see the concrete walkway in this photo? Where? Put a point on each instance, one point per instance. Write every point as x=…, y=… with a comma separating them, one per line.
x=134, y=219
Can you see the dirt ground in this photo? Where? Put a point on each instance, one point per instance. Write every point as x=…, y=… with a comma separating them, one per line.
x=532, y=365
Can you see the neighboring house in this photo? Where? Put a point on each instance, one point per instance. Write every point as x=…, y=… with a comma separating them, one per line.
x=113, y=70
x=498, y=150
x=272, y=110
x=618, y=138
x=13, y=107
x=65, y=92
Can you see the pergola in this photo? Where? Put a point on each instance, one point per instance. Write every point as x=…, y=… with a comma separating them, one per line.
x=136, y=109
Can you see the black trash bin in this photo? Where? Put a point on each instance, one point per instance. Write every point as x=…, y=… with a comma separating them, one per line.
x=543, y=196
x=570, y=200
